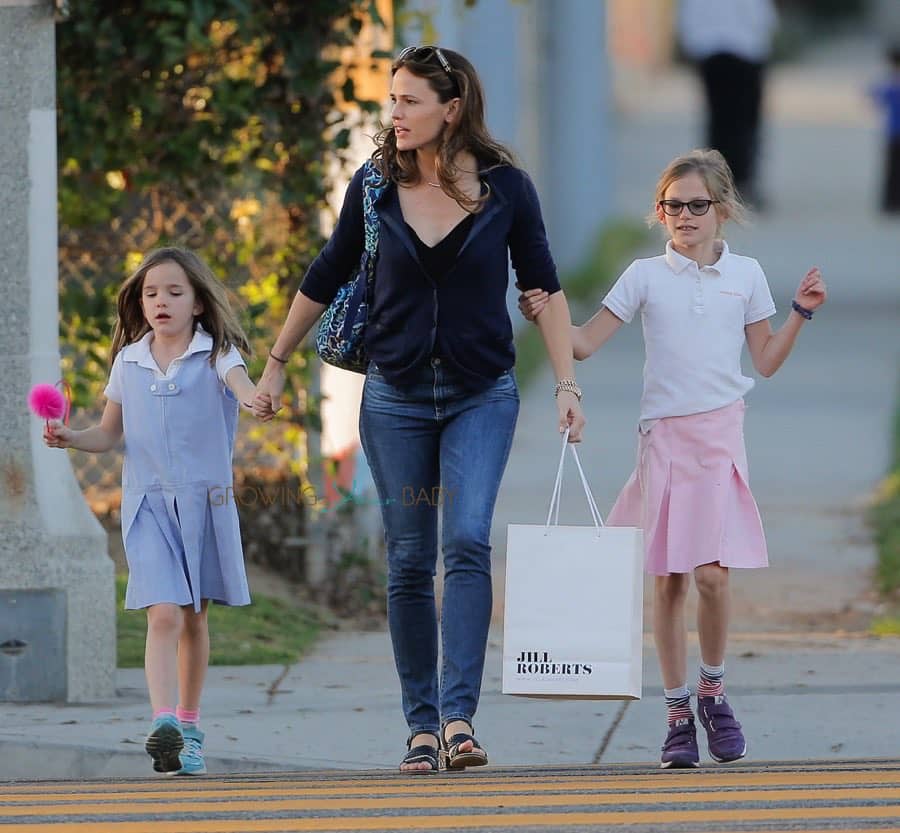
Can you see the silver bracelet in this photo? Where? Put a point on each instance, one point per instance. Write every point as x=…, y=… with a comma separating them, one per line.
x=568, y=385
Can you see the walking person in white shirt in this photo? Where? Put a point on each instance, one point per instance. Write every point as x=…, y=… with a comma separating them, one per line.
x=690, y=491
x=730, y=42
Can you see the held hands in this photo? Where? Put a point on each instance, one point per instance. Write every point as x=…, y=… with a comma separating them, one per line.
x=268, y=392
x=570, y=415
x=531, y=302
x=811, y=293
x=57, y=435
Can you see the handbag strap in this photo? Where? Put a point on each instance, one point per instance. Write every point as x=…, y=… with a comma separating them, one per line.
x=556, y=497
x=373, y=185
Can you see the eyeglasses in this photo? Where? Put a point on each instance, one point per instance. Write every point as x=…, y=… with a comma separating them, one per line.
x=697, y=207
x=410, y=51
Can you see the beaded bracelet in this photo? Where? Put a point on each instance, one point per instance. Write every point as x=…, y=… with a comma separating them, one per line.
x=568, y=385
x=801, y=311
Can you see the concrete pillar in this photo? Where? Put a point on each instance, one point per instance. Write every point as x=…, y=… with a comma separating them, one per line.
x=57, y=599
x=574, y=113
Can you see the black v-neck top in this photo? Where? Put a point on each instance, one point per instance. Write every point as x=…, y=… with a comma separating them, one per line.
x=437, y=260
x=462, y=318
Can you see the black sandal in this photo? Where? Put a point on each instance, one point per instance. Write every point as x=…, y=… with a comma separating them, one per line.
x=421, y=754
x=455, y=759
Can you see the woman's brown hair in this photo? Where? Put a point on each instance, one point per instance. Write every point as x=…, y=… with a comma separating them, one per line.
x=451, y=76
x=216, y=317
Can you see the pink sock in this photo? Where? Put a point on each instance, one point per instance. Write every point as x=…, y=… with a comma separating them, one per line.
x=160, y=712
x=188, y=715
x=712, y=680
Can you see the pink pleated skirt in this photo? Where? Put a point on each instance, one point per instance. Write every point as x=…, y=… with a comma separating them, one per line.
x=690, y=494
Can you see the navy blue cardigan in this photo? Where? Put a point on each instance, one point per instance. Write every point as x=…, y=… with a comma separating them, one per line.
x=461, y=318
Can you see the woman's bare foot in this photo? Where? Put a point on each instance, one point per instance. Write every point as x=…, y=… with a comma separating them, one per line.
x=418, y=758
x=461, y=750
x=457, y=727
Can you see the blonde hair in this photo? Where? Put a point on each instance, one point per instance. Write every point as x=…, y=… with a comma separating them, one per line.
x=468, y=132
x=216, y=317
x=712, y=168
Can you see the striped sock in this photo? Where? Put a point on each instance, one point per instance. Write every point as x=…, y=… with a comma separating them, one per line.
x=161, y=712
x=188, y=715
x=712, y=680
x=678, y=703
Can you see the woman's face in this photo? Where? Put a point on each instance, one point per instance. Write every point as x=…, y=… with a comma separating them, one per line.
x=417, y=114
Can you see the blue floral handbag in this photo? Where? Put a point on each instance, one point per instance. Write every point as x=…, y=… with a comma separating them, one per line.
x=341, y=338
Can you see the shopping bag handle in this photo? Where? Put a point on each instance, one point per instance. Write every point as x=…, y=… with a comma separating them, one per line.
x=556, y=497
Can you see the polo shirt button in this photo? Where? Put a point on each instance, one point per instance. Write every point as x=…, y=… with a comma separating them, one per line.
x=153, y=388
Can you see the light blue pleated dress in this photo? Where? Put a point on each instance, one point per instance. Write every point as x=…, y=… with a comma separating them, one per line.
x=182, y=546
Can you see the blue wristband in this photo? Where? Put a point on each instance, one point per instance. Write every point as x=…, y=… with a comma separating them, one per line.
x=801, y=311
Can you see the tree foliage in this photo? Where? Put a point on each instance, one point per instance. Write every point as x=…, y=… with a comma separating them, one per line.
x=201, y=123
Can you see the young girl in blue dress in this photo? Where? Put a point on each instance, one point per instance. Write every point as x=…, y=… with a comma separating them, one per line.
x=699, y=304
x=173, y=392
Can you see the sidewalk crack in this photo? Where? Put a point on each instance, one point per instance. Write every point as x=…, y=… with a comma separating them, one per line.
x=272, y=690
x=607, y=738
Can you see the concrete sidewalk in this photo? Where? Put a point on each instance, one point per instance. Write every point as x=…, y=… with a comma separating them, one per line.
x=809, y=697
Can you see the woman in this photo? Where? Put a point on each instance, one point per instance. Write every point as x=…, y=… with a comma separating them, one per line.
x=440, y=402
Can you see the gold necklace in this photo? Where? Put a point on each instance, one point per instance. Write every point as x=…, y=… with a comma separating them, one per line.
x=433, y=184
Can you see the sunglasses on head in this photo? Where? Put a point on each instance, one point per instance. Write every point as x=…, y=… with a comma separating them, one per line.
x=697, y=207
x=411, y=53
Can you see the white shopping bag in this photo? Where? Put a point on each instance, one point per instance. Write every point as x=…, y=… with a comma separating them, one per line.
x=573, y=620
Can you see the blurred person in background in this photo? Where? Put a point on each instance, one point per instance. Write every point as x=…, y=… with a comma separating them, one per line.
x=730, y=42
x=887, y=95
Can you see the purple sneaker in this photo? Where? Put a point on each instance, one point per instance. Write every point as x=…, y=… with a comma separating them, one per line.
x=680, y=749
x=723, y=732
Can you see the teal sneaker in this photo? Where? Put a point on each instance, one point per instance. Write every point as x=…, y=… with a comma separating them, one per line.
x=192, y=762
x=164, y=743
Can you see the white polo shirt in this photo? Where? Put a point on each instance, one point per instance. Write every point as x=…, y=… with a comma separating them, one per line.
x=693, y=319
x=139, y=352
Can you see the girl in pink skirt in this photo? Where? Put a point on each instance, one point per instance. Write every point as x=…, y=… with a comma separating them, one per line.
x=690, y=489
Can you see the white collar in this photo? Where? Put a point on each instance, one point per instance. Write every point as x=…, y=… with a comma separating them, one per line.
x=139, y=351
x=678, y=262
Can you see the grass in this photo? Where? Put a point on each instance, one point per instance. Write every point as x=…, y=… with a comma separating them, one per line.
x=266, y=632
x=885, y=520
x=615, y=246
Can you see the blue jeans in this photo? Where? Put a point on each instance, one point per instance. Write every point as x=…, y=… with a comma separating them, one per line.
x=438, y=445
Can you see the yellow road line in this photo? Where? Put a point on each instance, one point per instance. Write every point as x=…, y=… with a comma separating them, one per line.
x=341, y=778
x=451, y=802
x=663, y=818
x=432, y=785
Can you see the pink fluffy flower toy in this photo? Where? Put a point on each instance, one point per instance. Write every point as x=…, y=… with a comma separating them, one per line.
x=49, y=402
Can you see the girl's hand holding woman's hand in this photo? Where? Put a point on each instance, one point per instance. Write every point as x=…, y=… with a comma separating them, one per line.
x=268, y=392
x=532, y=301
x=262, y=407
x=570, y=415
x=811, y=293
x=57, y=435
